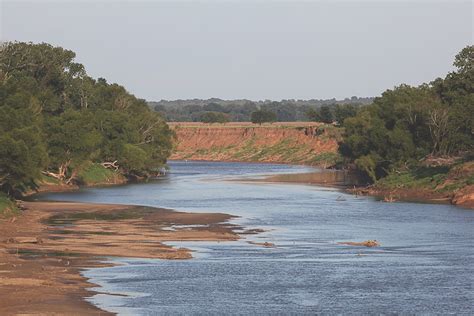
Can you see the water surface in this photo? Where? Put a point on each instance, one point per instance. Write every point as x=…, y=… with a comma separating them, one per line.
x=425, y=264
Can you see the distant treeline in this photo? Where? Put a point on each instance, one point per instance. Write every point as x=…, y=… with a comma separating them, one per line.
x=196, y=110
x=55, y=120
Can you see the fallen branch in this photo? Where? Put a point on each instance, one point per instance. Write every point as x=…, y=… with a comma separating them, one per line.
x=52, y=174
x=110, y=165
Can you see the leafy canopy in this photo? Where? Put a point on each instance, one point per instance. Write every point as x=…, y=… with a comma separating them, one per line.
x=408, y=123
x=55, y=118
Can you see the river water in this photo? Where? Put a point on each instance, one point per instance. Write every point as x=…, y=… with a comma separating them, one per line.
x=425, y=264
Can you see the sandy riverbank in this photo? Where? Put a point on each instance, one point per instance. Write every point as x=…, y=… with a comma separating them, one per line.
x=334, y=178
x=43, y=250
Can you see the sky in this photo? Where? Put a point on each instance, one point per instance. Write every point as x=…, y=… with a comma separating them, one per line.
x=262, y=49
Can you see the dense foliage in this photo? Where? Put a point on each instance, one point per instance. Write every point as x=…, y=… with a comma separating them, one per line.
x=214, y=117
x=55, y=118
x=240, y=110
x=335, y=113
x=263, y=116
x=408, y=123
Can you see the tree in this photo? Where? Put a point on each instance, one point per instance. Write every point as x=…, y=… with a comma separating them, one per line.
x=313, y=115
x=54, y=118
x=262, y=116
x=214, y=117
x=72, y=140
x=284, y=111
x=343, y=111
x=324, y=114
x=213, y=107
x=456, y=92
x=22, y=149
x=408, y=123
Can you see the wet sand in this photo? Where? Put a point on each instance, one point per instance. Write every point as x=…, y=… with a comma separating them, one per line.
x=43, y=250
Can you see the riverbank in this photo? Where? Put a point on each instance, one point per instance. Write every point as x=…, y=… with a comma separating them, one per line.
x=463, y=197
x=448, y=185
x=452, y=183
x=307, y=143
x=316, y=144
x=89, y=175
x=44, y=248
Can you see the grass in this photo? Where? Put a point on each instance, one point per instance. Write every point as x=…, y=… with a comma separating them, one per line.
x=8, y=207
x=284, y=150
x=96, y=174
x=49, y=180
x=442, y=179
x=424, y=177
x=327, y=158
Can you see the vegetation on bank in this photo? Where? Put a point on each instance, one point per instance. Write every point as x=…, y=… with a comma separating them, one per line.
x=96, y=174
x=57, y=121
x=405, y=125
x=445, y=179
x=8, y=207
x=333, y=114
x=283, y=152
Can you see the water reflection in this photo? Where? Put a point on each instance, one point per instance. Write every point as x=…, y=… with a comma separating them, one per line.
x=336, y=178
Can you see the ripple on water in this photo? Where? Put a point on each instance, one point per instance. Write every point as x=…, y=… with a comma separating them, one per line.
x=424, y=264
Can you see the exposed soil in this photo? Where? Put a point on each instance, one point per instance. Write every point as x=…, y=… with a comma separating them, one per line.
x=246, y=142
x=464, y=197
x=43, y=250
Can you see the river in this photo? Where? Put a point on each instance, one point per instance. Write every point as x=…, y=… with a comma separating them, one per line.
x=424, y=264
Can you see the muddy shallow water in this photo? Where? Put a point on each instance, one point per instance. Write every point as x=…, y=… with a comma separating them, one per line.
x=424, y=263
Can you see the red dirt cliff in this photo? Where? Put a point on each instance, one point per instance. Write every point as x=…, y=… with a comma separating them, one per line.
x=302, y=142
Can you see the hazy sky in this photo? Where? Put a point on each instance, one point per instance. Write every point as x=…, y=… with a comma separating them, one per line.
x=263, y=49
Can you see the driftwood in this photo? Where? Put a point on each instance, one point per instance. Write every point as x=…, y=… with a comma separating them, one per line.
x=61, y=171
x=110, y=165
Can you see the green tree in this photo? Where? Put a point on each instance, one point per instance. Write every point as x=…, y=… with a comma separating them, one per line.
x=22, y=149
x=262, y=116
x=408, y=123
x=343, y=111
x=214, y=117
x=54, y=118
x=72, y=140
x=324, y=115
x=456, y=92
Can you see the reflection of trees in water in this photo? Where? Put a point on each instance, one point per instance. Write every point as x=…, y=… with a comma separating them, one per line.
x=325, y=177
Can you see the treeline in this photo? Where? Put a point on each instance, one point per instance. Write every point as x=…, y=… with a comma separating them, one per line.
x=241, y=110
x=407, y=124
x=55, y=119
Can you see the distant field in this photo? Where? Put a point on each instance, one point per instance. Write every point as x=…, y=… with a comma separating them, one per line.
x=244, y=124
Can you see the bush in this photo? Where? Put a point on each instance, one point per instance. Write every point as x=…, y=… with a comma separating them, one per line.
x=214, y=117
x=262, y=116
